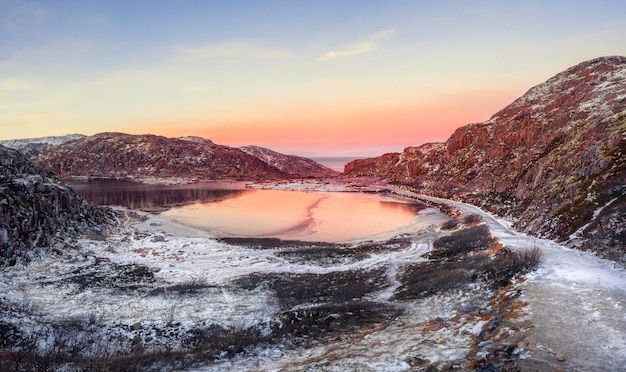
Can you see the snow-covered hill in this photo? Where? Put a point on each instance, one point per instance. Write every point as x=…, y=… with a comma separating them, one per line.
x=150, y=157
x=183, y=159
x=31, y=147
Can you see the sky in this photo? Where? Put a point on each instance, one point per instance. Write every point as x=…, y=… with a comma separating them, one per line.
x=313, y=78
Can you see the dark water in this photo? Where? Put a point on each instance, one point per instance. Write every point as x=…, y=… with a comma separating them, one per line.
x=154, y=198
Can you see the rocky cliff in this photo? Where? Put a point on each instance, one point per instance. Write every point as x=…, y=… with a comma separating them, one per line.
x=290, y=164
x=37, y=209
x=553, y=159
x=140, y=157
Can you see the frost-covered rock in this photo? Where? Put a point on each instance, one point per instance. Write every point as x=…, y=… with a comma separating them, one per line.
x=32, y=147
x=140, y=157
x=37, y=209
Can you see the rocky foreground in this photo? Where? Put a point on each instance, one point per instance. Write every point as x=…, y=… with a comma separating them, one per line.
x=461, y=294
x=553, y=160
x=38, y=210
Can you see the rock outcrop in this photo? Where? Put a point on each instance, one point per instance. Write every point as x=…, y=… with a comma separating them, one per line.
x=554, y=159
x=290, y=164
x=141, y=157
x=37, y=209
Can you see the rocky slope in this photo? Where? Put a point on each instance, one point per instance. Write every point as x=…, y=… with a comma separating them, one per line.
x=188, y=159
x=553, y=159
x=141, y=157
x=32, y=147
x=37, y=209
x=290, y=164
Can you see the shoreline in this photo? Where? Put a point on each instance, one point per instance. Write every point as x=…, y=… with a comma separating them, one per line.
x=424, y=219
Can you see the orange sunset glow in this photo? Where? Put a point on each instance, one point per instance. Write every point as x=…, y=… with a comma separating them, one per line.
x=313, y=79
x=362, y=128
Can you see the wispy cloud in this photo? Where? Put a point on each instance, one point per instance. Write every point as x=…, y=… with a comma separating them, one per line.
x=365, y=45
x=232, y=49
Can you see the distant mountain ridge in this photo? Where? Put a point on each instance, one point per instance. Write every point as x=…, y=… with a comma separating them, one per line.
x=290, y=164
x=151, y=158
x=554, y=159
x=32, y=147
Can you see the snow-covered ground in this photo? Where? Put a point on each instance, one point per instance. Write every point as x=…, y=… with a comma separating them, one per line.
x=577, y=300
x=154, y=285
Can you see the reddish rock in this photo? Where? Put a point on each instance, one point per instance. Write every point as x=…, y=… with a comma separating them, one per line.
x=290, y=164
x=118, y=155
x=383, y=166
x=550, y=159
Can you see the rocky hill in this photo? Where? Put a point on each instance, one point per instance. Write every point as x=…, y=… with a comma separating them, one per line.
x=186, y=159
x=141, y=157
x=553, y=160
x=37, y=209
x=290, y=164
x=32, y=147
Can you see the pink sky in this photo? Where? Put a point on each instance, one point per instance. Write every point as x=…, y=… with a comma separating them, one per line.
x=343, y=130
x=321, y=78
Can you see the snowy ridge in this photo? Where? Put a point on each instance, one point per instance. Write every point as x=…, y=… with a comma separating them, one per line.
x=18, y=144
x=32, y=147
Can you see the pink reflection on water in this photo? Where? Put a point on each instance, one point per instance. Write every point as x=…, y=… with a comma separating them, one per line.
x=332, y=217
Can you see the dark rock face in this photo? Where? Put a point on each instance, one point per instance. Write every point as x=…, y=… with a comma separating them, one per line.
x=290, y=164
x=125, y=156
x=37, y=209
x=553, y=159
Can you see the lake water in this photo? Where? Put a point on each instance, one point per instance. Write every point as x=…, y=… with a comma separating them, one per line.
x=230, y=210
x=155, y=198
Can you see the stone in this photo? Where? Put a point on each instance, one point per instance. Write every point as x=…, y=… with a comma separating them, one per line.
x=40, y=210
x=98, y=233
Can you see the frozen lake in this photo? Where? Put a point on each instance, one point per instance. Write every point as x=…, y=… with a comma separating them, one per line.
x=231, y=210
